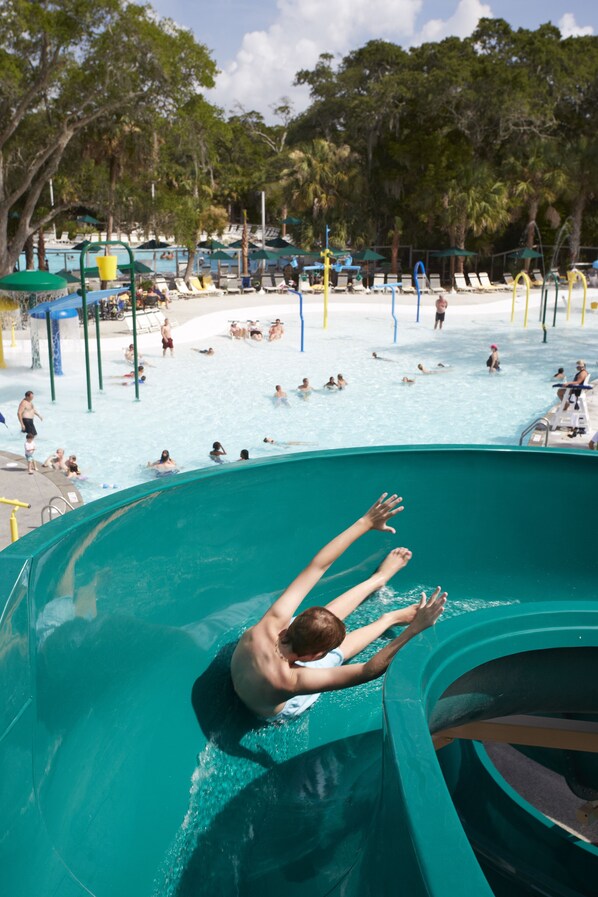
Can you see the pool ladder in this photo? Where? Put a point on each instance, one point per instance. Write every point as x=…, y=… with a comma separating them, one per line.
x=54, y=511
x=533, y=426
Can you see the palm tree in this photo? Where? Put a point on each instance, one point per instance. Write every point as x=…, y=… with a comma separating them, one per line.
x=581, y=170
x=318, y=176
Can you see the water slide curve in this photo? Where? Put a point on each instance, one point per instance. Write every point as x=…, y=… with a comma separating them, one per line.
x=127, y=769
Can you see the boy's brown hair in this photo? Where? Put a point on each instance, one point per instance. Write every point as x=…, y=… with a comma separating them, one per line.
x=314, y=631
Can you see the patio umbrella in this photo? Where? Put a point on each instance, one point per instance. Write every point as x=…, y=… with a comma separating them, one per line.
x=220, y=256
x=87, y=219
x=69, y=276
x=82, y=245
x=154, y=244
x=238, y=244
x=290, y=219
x=289, y=249
x=277, y=243
x=453, y=252
x=138, y=268
x=368, y=255
x=264, y=255
x=31, y=282
x=211, y=244
x=526, y=254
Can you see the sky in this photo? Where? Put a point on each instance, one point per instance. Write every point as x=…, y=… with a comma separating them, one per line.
x=259, y=45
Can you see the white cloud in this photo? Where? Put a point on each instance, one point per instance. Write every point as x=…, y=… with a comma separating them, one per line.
x=460, y=24
x=570, y=28
x=265, y=66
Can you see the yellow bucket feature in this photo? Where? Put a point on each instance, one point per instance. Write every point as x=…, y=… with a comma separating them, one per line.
x=107, y=266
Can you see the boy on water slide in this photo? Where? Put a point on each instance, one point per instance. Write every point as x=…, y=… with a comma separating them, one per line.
x=282, y=664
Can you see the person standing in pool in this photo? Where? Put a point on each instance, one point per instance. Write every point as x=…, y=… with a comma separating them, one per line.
x=217, y=452
x=281, y=665
x=493, y=361
x=26, y=412
x=304, y=387
x=341, y=382
x=441, y=307
x=166, y=333
x=280, y=396
x=164, y=462
x=332, y=384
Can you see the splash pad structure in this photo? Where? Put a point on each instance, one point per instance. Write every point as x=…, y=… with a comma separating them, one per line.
x=127, y=770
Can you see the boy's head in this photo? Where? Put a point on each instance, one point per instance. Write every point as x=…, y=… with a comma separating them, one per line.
x=29, y=437
x=315, y=631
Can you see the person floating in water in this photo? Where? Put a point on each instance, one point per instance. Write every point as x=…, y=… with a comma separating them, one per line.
x=209, y=351
x=271, y=441
x=282, y=664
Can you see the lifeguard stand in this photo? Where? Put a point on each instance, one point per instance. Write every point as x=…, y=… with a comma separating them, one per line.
x=572, y=413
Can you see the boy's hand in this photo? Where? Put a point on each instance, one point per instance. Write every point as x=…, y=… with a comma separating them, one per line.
x=428, y=610
x=381, y=511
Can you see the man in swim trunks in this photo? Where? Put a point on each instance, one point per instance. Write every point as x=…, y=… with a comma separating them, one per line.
x=26, y=412
x=166, y=334
x=441, y=307
x=282, y=664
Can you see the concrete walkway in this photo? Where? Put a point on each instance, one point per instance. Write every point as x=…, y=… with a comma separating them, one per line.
x=36, y=490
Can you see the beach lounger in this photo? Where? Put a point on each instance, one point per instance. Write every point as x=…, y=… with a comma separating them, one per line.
x=406, y=284
x=486, y=285
x=182, y=289
x=435, y=284
x=474, y=282
x=140, y=320
x=378, y=279
x=195, y=285
x=461, y=285
x=279, y=284
x=209, y=286
x=232, y=285
x=304, y=284
x=422, y=283
x=342, y=283
x=358, y=286
x=508, y=279
x=536, y=277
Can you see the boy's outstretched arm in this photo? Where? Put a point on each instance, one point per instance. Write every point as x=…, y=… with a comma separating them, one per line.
x=311, y=681
x=376, y=518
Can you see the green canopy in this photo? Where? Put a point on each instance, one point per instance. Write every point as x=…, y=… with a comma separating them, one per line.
x=138, y=268
x=290, y=219
x=82, y=245
x=277, y=243
x=451, y=253
x=154, y=244
x=265, y=255
x=32, y=282
x=526, y=254
x=238, y=244
x=221, y=256
x=211, y=244
x=92, y=272
x=87, y=219
x=289, y=249
x=69, y=276
x=368, y=255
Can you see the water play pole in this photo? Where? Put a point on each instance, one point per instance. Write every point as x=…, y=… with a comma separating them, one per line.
x=392, y=287
x=572, y=276
x=300, y=294
x=50, y=358
x=326, y=256
x=418, y=269
x=528, y=283
x=550, y=276
x=97, y=317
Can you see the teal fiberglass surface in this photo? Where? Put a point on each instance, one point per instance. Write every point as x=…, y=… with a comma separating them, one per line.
x=126, y=769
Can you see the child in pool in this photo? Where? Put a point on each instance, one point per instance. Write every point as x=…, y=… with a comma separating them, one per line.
x=282, y=664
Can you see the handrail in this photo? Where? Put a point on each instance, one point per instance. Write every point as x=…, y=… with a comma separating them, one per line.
x=533, y=425
x=50, y=508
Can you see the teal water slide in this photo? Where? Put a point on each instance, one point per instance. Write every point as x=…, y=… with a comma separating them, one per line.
x=128, y=770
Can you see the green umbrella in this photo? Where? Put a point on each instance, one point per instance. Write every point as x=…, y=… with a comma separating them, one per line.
x=220, y=256
x=87, y=219
x=69, y=276
x=154, y=244
x=82, y=245
x=277, y=243
x=526, y=254
x=238, y=244
x=291, y=220
x=368, y=255
x=211, y=244
x=451, y=253
x=32, y=282
x=289, y=249
x=138, y=268
x=264, y=255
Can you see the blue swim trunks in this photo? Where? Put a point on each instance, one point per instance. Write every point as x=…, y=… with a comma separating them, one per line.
x=300, y=703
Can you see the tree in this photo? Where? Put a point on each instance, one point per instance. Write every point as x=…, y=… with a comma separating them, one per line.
x=67, y=65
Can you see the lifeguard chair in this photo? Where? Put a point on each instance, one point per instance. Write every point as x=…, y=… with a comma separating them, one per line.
x=572, y=413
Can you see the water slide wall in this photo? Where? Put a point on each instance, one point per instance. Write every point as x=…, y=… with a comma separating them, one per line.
x=127, y=769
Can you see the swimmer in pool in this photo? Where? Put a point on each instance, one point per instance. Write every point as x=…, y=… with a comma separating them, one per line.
x=379, y=358
x=407, y=381
x=304, y=387
x=271, y=441
x=217, y=452
x=282, y=663
x=331, y=384
x=341, y=382
x=164, y=462
x=209, y=351
x=280, y=396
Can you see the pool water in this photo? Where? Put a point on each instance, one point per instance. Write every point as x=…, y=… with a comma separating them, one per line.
x=190, y=400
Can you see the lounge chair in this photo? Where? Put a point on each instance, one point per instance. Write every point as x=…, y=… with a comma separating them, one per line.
x=342, y=283
x=406, y=284
x=182, y=289
x=378, y=279
x=487, y=286
x=209, y=286
x=232, y=285
x=435, y=284
x=195, y=285
x=279, y=284
x=536, y=277
x=422, y=283
x=304, y=284
x=508, y=279
x=357, y=285
x=474, y=282
x=461, y=284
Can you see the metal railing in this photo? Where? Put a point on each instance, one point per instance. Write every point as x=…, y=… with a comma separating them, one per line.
x=53, y=510
x=533, y=426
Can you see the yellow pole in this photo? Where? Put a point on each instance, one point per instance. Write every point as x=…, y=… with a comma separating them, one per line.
x=2, y=362
x=572, y=276
x=528, y=282
x=13, y=342
x=14, y=528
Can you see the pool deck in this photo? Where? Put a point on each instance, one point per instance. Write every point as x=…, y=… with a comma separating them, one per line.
x=537, y=438
x=36, y=490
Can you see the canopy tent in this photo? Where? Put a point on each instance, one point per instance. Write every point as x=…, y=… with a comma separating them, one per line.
x=277, y=243
x=82, y=245
x=368, y=255
x=289, y=249
x=138, y=268
x=265, y=255
x=221, y=256
x=211, y=244
x=238, y=244
x=30, y=282
x=290, y=219
x=453, y=252
x=87, y=219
